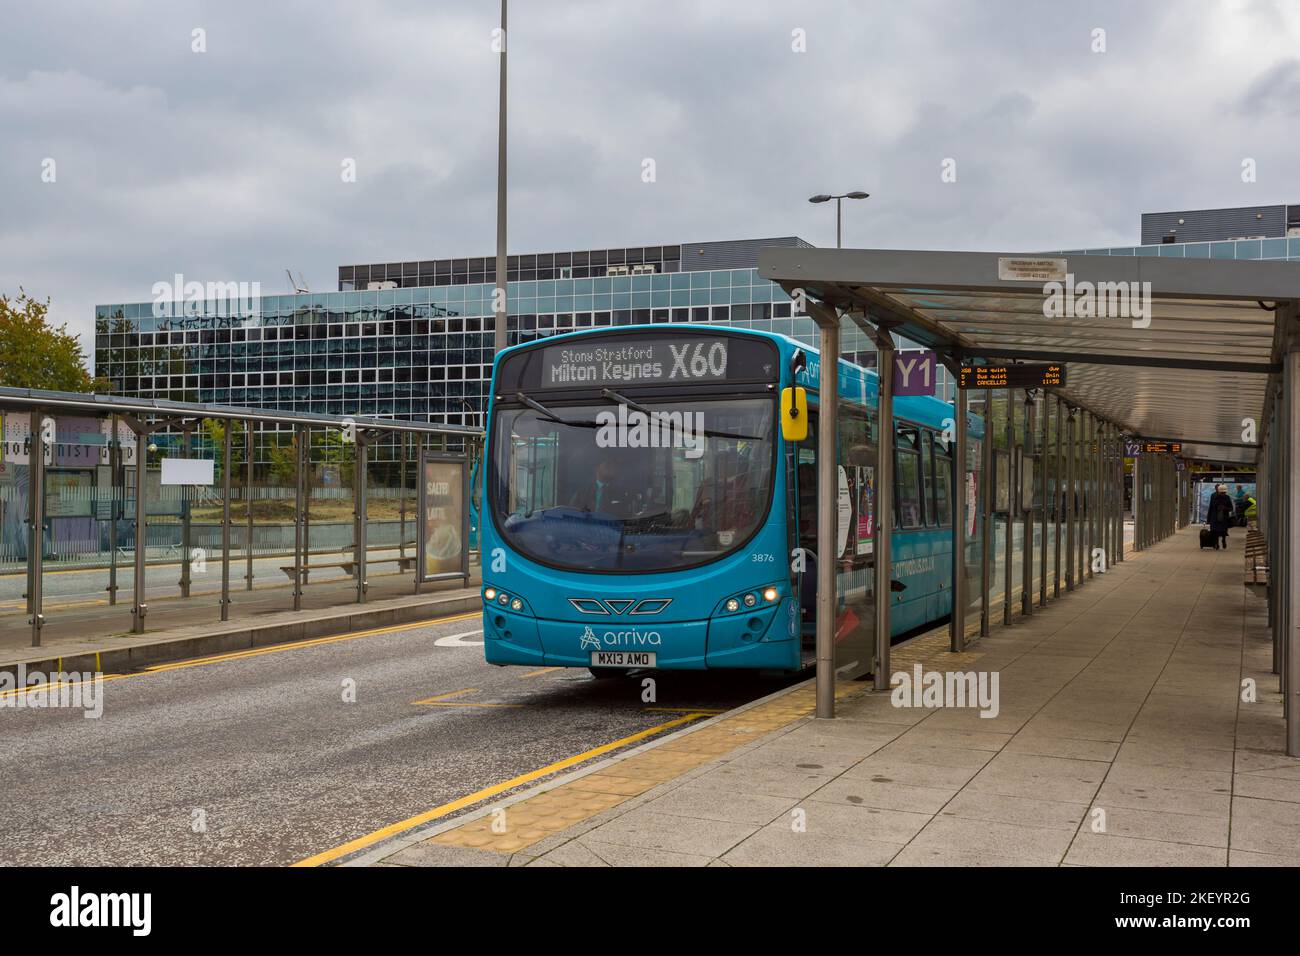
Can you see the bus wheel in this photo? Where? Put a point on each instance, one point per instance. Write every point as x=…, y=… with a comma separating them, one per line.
x=606, y=673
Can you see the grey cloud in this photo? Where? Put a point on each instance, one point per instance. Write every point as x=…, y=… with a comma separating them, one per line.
x=225, y=165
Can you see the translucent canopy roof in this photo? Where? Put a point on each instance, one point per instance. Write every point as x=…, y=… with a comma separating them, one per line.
x=1175, y=349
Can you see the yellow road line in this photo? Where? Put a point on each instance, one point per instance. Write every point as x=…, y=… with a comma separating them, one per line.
x=544, y=670
x=444, y=700
x=360, y=843
x=447, y=696
x=457, y=703
x=684, y=710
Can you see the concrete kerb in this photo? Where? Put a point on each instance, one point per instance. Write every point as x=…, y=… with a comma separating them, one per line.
x=387, y=848
x=242, y=636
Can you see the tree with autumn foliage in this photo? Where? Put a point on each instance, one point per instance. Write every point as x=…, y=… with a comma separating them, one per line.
x=35, y=354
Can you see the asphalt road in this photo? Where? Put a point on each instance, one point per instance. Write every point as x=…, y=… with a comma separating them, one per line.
x=267, y=754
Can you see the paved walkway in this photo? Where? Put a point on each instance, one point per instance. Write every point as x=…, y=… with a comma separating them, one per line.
x=1121, y=739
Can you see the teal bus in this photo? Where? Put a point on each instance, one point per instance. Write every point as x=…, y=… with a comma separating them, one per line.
x=648, y=499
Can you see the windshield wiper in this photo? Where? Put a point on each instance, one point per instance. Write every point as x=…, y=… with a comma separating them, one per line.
x=548, y=414
x=613, y=396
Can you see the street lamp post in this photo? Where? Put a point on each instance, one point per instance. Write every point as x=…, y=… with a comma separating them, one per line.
x=499, y=299
x=824, y=197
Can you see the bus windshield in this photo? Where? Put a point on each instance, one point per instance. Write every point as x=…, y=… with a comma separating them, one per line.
x=572, y=491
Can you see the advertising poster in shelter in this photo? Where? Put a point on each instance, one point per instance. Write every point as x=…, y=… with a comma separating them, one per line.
x=443, y=518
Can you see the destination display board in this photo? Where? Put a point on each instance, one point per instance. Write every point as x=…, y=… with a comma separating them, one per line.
x=621, y=361
x=1162, y=447
x=1042, y=375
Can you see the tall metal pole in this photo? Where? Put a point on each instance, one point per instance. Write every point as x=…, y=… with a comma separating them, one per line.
x=401, y=484
x=1027, y=522
x=1058, y=499
x=306, y=504
x=140, y=607
x=838, y=234
x=36, y=542
x=248, y=502
x=419, y=514
x=1139, y=512
x=957, y=621
x=298, y=528
x=884, y=521
x=226, y=468
x=1069, y=503
x=184, y=491
x=987, y=502
x=114, y=466
x=827, y=491
x=499, y=299
x=363, y=471
x=1090, y=497
x=1044, y=497
x=1085, y=496
x=1107, y=497
x=1013, y=495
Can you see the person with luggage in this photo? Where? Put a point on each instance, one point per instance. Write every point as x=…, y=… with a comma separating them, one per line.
x=1220, y=515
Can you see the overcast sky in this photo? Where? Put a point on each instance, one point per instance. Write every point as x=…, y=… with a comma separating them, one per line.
x=226, y=165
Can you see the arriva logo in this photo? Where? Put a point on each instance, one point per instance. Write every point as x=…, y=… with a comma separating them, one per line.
x=615, y=638
x=589, y=640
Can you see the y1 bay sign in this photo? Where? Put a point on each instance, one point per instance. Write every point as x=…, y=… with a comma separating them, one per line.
x=914, y=373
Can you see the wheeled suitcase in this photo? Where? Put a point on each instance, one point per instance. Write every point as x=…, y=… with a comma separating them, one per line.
x=1207, y=538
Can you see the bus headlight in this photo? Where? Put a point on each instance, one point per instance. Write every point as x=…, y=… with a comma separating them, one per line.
x=490, y=594
x=516, y=605
x=756, y=599
x=504, y=599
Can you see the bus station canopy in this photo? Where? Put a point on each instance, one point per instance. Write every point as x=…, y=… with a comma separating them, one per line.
x=1168, y=349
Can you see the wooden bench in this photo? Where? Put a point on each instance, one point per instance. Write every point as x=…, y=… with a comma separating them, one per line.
x=1256, y=555
x=349, y=567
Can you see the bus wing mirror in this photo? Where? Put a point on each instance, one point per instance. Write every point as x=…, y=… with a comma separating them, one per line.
x=794, y=414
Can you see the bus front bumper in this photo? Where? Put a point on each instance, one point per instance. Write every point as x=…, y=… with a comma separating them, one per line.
x=511, y=638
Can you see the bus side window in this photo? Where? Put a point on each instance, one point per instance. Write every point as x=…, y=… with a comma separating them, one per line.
x=942, y=483
x=927, y=475
x=907, y=477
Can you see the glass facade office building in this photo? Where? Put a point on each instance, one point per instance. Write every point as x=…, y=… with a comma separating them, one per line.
x=422, y=351
x=425, y=351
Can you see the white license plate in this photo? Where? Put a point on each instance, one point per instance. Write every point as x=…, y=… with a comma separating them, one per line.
x=622, y=659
